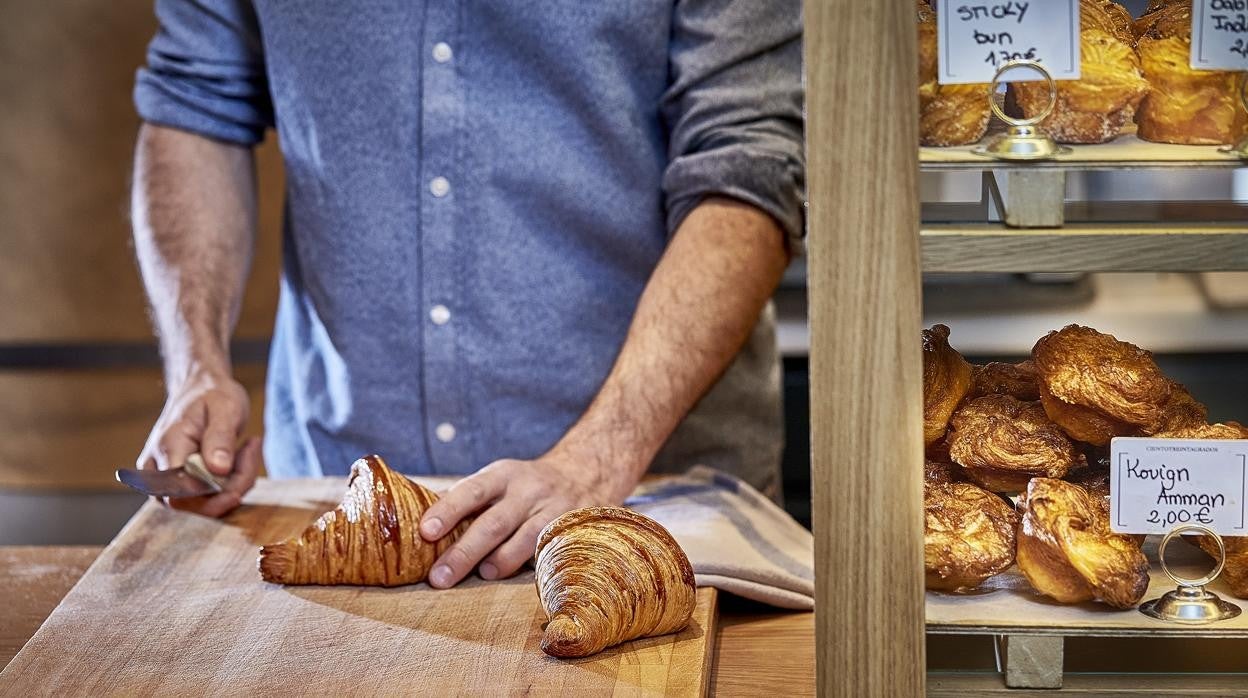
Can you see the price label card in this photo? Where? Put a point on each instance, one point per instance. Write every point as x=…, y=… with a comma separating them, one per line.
x=1220, y=35
x=1158, y=484
x=977, y=37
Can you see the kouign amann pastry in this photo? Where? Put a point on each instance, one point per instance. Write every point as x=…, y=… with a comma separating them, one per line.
x=946, y=380
x=1068, y=552
x=968, y=535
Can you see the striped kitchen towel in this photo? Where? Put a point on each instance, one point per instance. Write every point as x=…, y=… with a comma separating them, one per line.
x=738, y=540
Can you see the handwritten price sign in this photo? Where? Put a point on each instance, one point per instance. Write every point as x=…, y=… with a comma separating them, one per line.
x=1220, y=35
x=977, y=37
x=1159, y=484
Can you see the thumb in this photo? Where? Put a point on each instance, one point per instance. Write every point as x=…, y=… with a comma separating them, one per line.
x=219, y=443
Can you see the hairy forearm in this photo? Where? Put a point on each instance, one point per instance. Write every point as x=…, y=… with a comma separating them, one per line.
x=696, y=312
x=193, y=208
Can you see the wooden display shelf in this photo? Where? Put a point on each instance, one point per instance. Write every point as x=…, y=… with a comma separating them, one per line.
x=1008, y=605
x=1085, y=248
x=1127, y=151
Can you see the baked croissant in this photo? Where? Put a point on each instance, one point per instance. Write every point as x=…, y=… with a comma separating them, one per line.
x=946, y=380
x=1094, y=108
x=1067, y=550
x=1096, y=387
x=370, y=539
x=968, y=535
x=607, y=575
x=1002, y=443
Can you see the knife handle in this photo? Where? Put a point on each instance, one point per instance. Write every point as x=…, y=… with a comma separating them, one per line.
x=195, y=466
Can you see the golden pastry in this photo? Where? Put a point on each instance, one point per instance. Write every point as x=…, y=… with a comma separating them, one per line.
x=1094, y=108
x=1235, y=573
x=948, y=114
x=1228, y=430
x=1093, y=479
x=371, y=538
x=946, y=380
x=1001, y=443
x=996, y=378
x=968, y=535
x=608, y=575
x=1067, y=551
x=1183, y=105
x=1096, y=387
x=942, y=471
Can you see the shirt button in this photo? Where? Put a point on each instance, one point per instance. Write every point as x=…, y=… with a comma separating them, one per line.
x=440, y=314
x=442, y=52
x=439, y=186
x=445, y=432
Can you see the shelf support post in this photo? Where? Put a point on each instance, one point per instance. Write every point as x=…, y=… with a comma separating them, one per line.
x=866, y=378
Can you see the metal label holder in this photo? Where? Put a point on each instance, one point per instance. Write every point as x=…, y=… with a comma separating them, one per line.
x=1190, y=603
x=1022, y=140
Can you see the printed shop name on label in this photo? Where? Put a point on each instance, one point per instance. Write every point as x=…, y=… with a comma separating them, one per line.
x=1159, y=484
x=975, y=38
x=1220, y=35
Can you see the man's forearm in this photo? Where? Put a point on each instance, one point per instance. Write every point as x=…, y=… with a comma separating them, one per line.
x=193, y=207
x=696, y=312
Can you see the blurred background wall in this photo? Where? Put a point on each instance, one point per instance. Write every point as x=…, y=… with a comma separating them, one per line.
x=80, y=379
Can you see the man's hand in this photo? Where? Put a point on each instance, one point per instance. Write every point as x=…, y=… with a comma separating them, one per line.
x=206, y=414
x=516, y=499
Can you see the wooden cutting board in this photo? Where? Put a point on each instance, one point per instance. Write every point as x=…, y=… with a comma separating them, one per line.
x=175, y=605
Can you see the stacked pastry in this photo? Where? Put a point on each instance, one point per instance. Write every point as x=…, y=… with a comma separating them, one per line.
x=1186, y=106
x=948, y=114
x=1094, y=108
x=1039, y=429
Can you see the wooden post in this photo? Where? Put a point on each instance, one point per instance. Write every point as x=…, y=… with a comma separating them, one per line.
x=866, y=381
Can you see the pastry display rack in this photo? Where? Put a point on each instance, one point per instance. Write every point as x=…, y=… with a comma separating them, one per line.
x=868, y=248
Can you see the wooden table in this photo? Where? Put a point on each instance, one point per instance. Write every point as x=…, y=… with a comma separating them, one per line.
x=758, y=650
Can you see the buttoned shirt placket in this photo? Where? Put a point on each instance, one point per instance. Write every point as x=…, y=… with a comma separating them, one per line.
x=446, y=418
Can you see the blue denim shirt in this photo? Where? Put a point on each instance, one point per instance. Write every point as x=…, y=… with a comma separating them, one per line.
x=477, y=193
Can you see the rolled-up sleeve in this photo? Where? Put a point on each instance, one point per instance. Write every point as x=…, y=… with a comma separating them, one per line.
x=205, y=71
x=734, y=109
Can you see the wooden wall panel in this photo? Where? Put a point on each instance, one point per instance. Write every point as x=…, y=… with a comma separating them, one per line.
x=866, y=381
x=62, y=429
x=67, y=130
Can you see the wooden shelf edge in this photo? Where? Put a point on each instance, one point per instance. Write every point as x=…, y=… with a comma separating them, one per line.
x=1085, y=248
x=1192, y=632
x=971, y=685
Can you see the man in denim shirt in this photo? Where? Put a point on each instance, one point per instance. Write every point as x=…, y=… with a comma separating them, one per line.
x=531, y=243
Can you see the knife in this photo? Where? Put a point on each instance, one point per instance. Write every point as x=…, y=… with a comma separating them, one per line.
x=190, y=480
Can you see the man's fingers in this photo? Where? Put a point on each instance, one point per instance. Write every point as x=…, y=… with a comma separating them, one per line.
x=247, y=464
x=509, y=557
x=467, y=496
x=486, y=533
x=242, y=477
x=225, y=422
x=175, y=445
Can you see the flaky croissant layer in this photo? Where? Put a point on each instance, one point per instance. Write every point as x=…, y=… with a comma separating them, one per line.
x=607, y=575
x=372, y=538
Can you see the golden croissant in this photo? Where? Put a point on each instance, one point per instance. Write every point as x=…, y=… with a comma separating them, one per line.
x=372, y=538
x=607, y=575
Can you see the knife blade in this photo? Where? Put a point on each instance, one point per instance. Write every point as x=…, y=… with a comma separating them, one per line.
x=190, y=480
